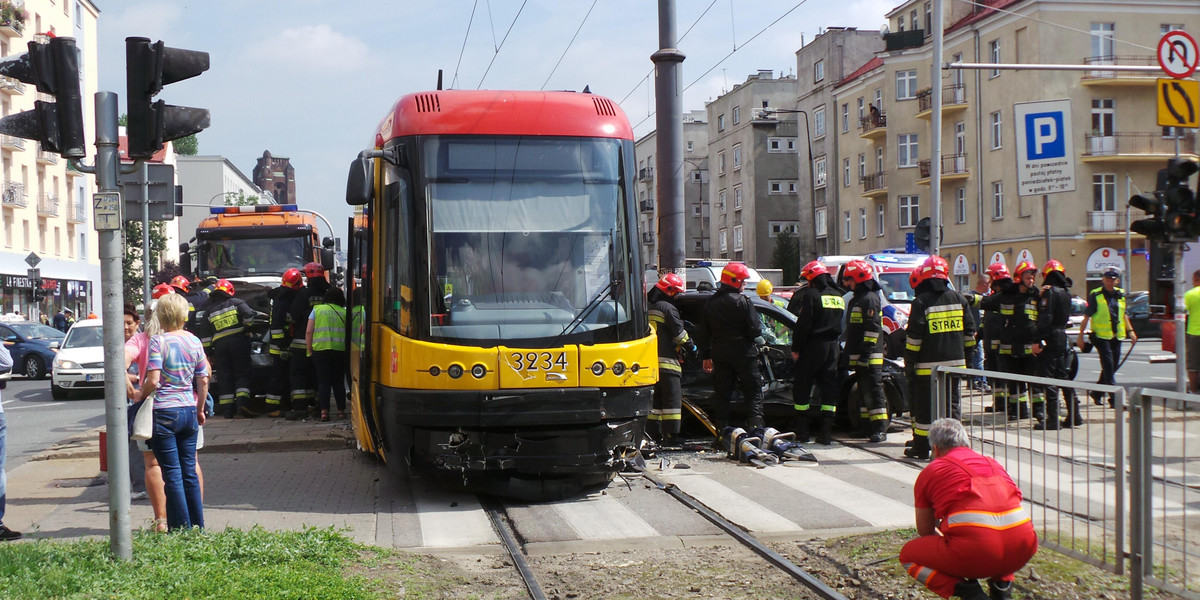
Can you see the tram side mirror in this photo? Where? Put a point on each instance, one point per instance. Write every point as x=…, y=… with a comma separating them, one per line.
x=327, y=259
x=185, y=260
x=359, y=189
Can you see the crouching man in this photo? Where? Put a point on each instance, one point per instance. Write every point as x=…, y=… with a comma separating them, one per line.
x=970, y=520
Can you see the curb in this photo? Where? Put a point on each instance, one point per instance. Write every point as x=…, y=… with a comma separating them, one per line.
x=87, y=445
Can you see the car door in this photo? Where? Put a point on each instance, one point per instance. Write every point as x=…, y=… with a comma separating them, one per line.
x=776, y=364
x=14, y=342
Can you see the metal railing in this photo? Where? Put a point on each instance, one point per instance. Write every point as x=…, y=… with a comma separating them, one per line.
x=47, y=205
x=871, y=122
x=14, y=195
x=646, y=206
x=646, y=174
x=952, y=95
x=76, y=213
x=874, y=181
x=952, y=164
x=1105, y=221
x=1115, y=144
x=1102, y=61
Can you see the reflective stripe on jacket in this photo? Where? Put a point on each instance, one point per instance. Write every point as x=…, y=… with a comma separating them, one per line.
x=329, y=327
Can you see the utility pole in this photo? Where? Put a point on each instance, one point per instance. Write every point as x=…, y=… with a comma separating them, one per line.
x=668, y=104
x=935, y=130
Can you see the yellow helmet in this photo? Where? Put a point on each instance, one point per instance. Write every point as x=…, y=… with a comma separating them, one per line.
x=764, y=288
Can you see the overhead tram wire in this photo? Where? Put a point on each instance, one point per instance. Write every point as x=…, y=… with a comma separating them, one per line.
x=569, y=44
x=651, y=71
x=501, y=45
x=464, y=44
x=1044, y=22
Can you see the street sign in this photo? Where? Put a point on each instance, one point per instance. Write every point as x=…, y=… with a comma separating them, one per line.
x=33, y=274
x=162, y=192
x=1045, y=151
x=1179, y=103
x=106, y=211
x=1026, y=256
x=33, y=259
x=997, y=257
x=961, y=266
x=1102, y=258
x=1177, y=54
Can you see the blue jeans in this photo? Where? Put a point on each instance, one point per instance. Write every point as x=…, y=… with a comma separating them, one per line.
x=977, y=361
x=3, y=477
x=174, y=445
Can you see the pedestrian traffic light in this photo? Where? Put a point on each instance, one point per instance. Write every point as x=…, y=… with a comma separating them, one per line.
x=53, y=68
x=148, y=67
x=922, y=234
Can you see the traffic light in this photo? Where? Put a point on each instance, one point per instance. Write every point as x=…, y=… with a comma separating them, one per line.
x=922, y=234
x=1153, y=226
x=1181, y=220
x=148, y=67
x=54, y=69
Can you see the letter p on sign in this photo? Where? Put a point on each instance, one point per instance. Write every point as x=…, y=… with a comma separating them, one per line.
x=1044, y=134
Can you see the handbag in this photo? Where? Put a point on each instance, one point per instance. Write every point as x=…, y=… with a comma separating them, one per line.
x=143, y=422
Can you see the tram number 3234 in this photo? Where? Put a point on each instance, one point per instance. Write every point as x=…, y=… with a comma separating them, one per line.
x=539, y=361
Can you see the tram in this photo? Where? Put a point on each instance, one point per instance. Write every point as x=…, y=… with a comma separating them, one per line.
x=498, y=334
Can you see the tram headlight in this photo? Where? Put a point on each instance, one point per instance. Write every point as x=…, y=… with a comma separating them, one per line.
x=478, y=371
x=618, y=368
x=435, y=370
x=455, y=371
x=598, y=368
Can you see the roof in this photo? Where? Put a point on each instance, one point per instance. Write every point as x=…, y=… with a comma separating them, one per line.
x=123, y=149
x=491, y=112
x=991, y=8
x=867, y=67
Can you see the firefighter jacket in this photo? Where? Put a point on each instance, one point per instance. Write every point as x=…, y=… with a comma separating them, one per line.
x=728, y=326
x=672, y=337
x=1054, y=313
x=864, y=327
x=306, y=299
x=281, y=302
x=941, y=331
x=196, y=301
x=1011, y=319
x=1107, y=313
x=819, y=310
x=224, y=316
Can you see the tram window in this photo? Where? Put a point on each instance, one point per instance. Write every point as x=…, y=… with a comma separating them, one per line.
x=396, y=239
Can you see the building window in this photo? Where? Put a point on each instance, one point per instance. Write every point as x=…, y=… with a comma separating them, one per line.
x=720, y=122
x=819, y=122
x=878, y=98
x=83, y=247
x=722, y=241
x=960, y=205
x=791, y=187
x=697, y=176
x=906, y=150
x=737, y=115
x=909, y=211
x=781, y=186
x=1102, y=41
x=900, y=22
x=774, y=145
x=906, y=84
x=861, y=109
x=819, y=172
x=690, y=145
x=845, y=117
x=721, y=162
x=862, y=166
x=997, y=200
x=737, y=198
x=928, y=20
x=778, y=145
x=862, y=223
x=997, y=131
x=820, y=227
x=994, y=56
x=737, y=238
x=880, y=212
x=696, y=210
x=775, y=187
x=846, y=226
x=845, y=172
x=1104, y=115
x=777, y=227
x=879, y=159
x=721, y=200
x=1104, y=192
x=791, y=144
x=819, y=71
x=737, y=156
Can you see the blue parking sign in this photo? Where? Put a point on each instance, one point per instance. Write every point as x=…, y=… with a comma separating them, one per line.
x=1044, y=136
x=1045, y=149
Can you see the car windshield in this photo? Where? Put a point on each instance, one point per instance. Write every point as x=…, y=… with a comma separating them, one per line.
x=895, y=287
x=37, y=331
x=83, y=337
x=261, y=256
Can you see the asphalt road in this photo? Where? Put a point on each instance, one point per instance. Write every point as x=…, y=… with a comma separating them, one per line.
x=1137, y=371
x=36, y=421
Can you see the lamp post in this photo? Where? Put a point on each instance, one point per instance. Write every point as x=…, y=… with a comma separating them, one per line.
x=812, y=182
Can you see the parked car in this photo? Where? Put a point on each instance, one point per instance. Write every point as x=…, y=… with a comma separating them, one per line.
x=79, y=365
x=1137, y=306
x=33, y=346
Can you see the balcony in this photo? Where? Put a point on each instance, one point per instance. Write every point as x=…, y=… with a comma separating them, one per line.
x=1110, y=78
x=646, y=206
x=954, y=167
x=646, y=174
x=12, y=28
x=1105, y=221
x=901, y=40
x=873, y=126
x=1135, y=147
x=76, y=212
x=874, y=184
x=11, y=142
x=648, y=237
x=11, y=86
x=14, y=196
x=46, y=158
x=954, y=99
x=47, y=205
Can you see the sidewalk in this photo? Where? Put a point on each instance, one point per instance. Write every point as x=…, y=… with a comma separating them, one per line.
x=271, y=472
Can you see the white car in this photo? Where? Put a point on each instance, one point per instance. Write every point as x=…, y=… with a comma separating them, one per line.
x=79, y=364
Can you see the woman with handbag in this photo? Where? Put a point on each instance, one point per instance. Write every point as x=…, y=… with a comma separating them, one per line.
x=175, y=359
x=136, y=346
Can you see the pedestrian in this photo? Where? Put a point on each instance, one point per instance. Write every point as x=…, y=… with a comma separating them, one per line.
x=69, y=316
x=302, y=374
x=940, y=334
x=982, y=287
x=226, y=320
x=325, y=338
x=1191, y=302
x=1110, y=324
x=280, y=341
x=865, y=344
x=662, y=425
x=730, y=333
x=175, y=362
x=59, y=321
x=1052, y=348
x=92, y=315
x=819, y=309
x=6, y=534
x=1018, y=339
x=970, y=521
x=149, y=477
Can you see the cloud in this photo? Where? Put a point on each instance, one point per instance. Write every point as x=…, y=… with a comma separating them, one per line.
x=312, y=47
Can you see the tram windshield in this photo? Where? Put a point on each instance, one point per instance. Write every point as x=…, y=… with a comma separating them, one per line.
x=527, y=237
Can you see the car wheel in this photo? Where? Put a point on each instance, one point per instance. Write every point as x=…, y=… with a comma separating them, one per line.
x=34, y=369
x=59, y=393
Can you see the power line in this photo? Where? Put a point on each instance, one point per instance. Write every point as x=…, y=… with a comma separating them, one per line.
x=651, y=71
x=464, y=44
x=501, y=45
x=569, y=44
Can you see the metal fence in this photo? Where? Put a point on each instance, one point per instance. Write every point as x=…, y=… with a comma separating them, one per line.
x=1114, y=491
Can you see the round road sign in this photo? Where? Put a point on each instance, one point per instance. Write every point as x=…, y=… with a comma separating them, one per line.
x=1178, y=54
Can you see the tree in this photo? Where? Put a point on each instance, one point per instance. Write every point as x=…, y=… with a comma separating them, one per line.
x=131, y=263
x=786, y=256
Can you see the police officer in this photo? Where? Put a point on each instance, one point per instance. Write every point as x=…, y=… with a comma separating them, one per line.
x=941, y=333
x=281, y=302
x=1051, y=348
x=1018, y=338
x=865, y=345
x=673, y=341
x=1110, y=325
x=819, y=309
x=302, y=373
x=226, y=320
x=730, y=332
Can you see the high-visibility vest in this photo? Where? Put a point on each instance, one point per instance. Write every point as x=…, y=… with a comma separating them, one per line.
x=1101, y=321
x=329, y=327
x=1191, y=301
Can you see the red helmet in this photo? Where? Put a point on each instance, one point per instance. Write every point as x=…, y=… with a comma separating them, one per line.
x=292, y=279
x=914, y=278
x=670, y=284
x=857, y=271
x=161, y=290
x=1024, y=266
x=934, y=267
x=734, y=275
x=1052, y=266
x=314, y=269
x=181, y=282
x=998, y=271
x=223, y=285
x=812, y=269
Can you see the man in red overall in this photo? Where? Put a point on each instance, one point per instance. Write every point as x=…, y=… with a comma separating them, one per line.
x=970, y=520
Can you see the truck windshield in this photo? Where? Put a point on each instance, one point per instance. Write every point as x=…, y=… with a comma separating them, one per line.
x=239, y=257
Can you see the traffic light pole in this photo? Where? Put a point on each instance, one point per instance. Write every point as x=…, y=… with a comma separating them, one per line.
x=145, y=233
x=1181, y=379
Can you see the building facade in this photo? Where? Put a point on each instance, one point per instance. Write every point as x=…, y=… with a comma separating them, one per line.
x=695, y=189
x=275, y=175
x=45, y=206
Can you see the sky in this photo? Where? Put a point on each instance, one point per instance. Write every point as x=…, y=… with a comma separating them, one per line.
x=311, y=79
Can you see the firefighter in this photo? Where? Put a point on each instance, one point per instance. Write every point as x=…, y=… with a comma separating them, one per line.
x=997, y=307
x=1110, y=325
x=280, y=344
x=730, y=333
x=864, y=345
x=764, y=289
x=302, y=374
x=226, y=320
x=673, y=341
x=1051, y=349
x=819, y=309
x=196, y=293
x=940, y=332
x=1017, y=341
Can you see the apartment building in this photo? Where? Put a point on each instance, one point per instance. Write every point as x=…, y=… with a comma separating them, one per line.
x=755, y=192
x=45, y=205
x=1117, y=144
x=695, y=189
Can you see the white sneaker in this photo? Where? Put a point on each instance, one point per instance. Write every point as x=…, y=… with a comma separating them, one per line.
x=137, y=496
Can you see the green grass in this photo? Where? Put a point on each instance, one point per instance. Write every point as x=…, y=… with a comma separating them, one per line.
x=315, y=563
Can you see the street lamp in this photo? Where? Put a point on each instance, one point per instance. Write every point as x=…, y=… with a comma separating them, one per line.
x=812, y=182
